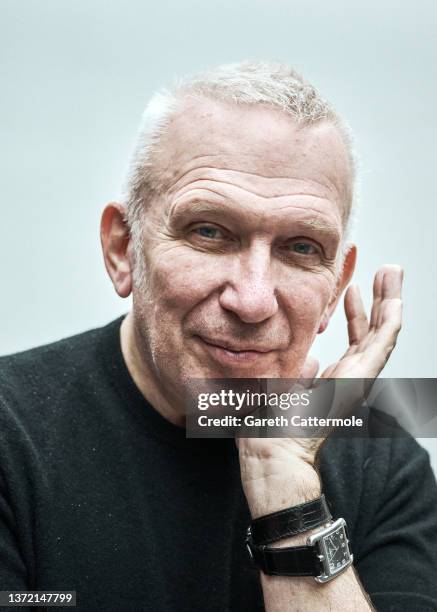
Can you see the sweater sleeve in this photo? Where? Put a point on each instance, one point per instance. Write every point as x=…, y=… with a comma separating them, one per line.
x=13, y=574
x=397, y=561
x=14, y=571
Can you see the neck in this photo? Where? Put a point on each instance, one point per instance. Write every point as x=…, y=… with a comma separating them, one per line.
x=142, y=375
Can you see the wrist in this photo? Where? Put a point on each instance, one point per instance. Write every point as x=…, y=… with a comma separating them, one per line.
x=272, y=487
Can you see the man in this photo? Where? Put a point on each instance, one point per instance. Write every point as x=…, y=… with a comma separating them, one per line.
x=232, y=238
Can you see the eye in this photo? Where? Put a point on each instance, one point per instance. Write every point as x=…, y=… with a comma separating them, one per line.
x=301, y=251
x=304, y=248
x=206, y=231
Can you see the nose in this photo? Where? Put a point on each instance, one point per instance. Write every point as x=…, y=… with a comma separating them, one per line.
x=250, y=290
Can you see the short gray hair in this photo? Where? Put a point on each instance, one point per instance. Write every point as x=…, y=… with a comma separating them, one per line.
x=266, y=83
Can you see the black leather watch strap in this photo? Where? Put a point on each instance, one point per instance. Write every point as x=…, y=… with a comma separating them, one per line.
x=289, y=522
x=296, y=561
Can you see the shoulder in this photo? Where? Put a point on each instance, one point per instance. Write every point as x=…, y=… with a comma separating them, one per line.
x=39, y=366
x=36, y=381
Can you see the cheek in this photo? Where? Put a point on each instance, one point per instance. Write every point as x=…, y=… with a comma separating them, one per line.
x=179, y=280
x=306, y=299
x=304, y=302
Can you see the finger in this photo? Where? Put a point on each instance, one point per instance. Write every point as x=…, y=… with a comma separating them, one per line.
x=390, y=318
x=309, y=370
x=392, y=284
x=357, y=323
x=377, y=296
x=378, y=351
x=391, y=289
x=387, y=285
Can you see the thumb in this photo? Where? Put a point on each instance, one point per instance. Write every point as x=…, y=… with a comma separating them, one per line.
x=310, y=368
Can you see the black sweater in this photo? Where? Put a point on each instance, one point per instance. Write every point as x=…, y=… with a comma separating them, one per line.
x=100, y=494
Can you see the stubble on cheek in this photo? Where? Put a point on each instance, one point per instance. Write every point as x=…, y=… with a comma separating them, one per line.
x=306, y=306
x=172, y=287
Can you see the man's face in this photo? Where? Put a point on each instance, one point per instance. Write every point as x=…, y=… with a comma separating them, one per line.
x=241, y=251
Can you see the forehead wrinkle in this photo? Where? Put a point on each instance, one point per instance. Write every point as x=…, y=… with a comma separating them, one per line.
x=212, y=169
x=212, y=172
x=199, y=185
x=205, y=185
x=199, y=205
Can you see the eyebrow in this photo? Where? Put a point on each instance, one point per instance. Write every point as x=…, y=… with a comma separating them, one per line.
x=200, y=206
x=322, y=227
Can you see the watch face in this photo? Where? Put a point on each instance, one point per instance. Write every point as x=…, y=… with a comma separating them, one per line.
x=337, y=550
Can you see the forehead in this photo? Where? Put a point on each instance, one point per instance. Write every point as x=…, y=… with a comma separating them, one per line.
x=262, y=149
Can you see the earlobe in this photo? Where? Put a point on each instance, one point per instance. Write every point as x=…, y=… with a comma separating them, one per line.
x=114, y=236
x=323, y=325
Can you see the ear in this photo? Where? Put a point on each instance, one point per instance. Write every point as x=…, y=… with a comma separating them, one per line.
x=342, y=282
x=114, y=236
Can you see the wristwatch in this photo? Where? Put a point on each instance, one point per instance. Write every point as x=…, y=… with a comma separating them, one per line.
x=326, y=555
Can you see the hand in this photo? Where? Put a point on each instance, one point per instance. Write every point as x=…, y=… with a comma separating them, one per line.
x=370, y=344
x=279, y=460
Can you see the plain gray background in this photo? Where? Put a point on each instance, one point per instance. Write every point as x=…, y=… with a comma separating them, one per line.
x=75, y=77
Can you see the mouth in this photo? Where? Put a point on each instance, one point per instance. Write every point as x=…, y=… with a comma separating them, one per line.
x=228, y=354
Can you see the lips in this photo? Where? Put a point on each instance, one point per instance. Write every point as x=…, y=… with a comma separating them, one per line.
x=229, y=354
x=234, y=348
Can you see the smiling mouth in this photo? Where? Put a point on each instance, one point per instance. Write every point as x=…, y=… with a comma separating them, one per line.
x=227, y=353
